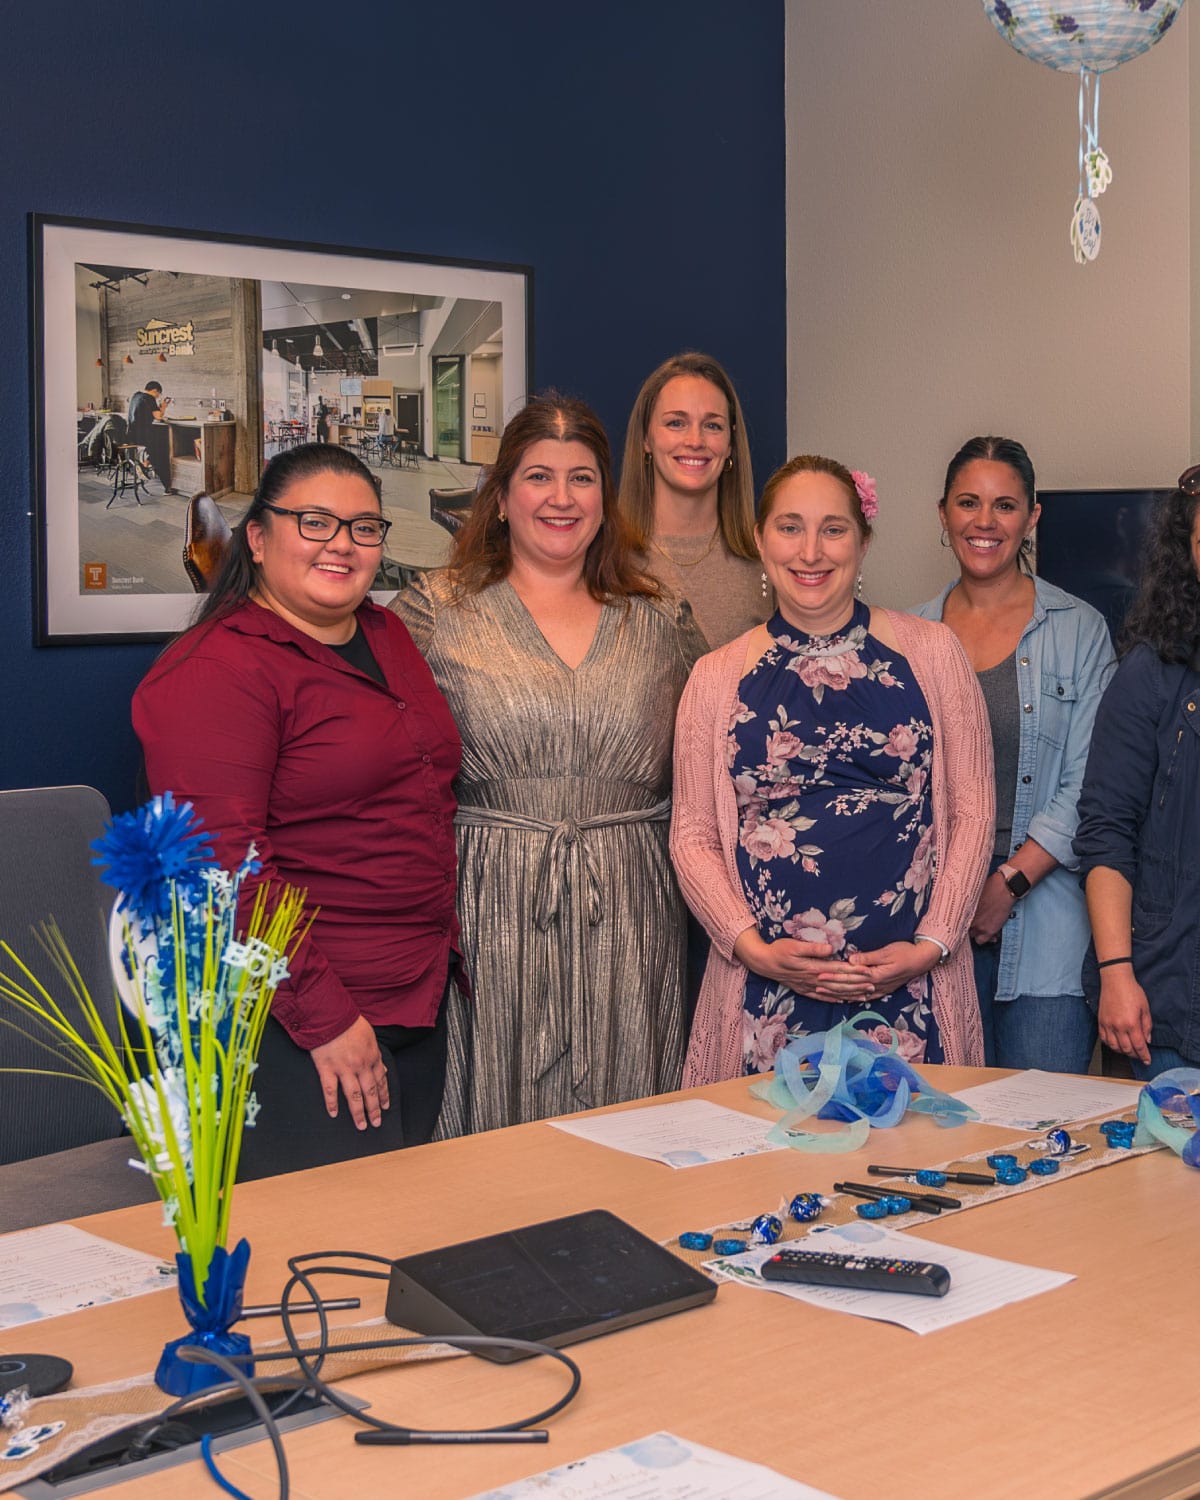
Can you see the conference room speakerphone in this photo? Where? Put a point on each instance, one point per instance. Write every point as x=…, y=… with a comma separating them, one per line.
x=554, y=1283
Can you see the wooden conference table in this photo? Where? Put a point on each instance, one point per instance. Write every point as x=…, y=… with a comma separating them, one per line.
x=1086, y=1390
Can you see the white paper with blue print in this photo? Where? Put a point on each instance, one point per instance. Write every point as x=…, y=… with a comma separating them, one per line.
x=691, y=1133
x=658, y=1467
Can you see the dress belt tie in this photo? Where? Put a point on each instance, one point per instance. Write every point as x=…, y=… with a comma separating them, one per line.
x=564, y=837
x=565, y=859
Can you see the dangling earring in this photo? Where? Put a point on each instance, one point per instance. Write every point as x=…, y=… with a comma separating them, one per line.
x=764, y=585
x=502, y=517
x=945, y=538
x=858, y=587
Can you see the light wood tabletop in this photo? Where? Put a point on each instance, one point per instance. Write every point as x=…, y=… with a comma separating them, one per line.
x=1082, y=1391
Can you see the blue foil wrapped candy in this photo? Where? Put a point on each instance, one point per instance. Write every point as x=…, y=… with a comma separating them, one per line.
x=1058, y=1142
x=728, y=1247
x=1045, y=1166
x=805, y=1207
x=767, y=1229
x=1011, y=1176
x=875, y=1209
x=695, y=1239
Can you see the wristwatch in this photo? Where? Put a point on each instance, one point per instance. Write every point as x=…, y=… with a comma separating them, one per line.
x=1018, y=885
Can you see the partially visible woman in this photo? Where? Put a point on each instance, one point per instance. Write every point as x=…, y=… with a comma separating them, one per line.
x=833, y=803
x=563, y=668
x=688, y=491
x=1042, y=658
x=297, y=715
x=1139, y=811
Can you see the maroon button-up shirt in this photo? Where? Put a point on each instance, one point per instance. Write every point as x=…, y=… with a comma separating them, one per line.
x=343, y=785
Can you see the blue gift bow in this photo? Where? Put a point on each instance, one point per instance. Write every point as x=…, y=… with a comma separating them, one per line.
x=858, y=1081
x=1179, y=1090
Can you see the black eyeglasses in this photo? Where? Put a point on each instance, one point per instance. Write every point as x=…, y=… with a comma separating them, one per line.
x=1189, y=480
x=320, y=526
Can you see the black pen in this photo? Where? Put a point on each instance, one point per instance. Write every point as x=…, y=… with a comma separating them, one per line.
x=978, y=1179
x=406, y=1439
x=864, y=1190
x=275, y=1310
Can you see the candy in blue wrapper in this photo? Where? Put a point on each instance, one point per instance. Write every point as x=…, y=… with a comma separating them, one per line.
x=897, y=1203
x=1000, y=1160
x=1045, y=1166
x=805, y=1207
x=927, y=1177
x=728, y=1247
x=1011, y=1176
x=695, y=1239
x=766, y=1229
x=873, y=1210
x=1058, y=1142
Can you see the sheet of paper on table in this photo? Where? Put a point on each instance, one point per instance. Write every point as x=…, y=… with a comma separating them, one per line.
x=688, y=1134
x=659, y=1467
x=1034, y=1100
x=978, y=1283
x=59, y=1269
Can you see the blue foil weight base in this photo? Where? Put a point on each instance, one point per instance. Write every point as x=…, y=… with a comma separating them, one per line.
x=211, y=1320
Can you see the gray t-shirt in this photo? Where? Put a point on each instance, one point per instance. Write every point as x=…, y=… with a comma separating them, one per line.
x=999, y=686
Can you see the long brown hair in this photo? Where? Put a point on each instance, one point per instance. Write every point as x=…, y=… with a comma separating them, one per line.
x=482, y=552
x=735, y=488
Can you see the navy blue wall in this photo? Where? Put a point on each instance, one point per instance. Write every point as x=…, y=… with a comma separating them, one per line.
x=631, y=153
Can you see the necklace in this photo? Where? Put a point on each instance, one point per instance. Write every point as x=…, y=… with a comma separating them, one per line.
x=696, y=561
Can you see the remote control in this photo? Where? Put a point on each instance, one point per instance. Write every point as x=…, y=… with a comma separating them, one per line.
x=868, y=1273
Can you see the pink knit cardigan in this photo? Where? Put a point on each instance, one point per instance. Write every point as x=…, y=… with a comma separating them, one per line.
x=704, y=831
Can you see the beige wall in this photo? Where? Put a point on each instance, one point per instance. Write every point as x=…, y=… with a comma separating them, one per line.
x=932, y=293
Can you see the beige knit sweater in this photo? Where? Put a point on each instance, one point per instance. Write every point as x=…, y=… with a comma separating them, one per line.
x=704, y=830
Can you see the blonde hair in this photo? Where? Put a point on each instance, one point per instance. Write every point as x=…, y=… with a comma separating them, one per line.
x=735, y=488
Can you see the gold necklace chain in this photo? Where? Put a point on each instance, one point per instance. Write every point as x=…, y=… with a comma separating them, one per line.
x=696, y=561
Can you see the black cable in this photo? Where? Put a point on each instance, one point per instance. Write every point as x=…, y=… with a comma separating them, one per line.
x=194, y=1355
x=400, y=1432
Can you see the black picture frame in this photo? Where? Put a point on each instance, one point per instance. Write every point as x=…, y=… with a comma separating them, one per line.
x=199, y=312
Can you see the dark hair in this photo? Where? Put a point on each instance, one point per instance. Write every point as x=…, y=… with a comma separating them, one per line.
x=999, y=450
x=235, y=582
x=1165, y=613
x=813, y=463
x=482, y=552
x=153, y=385
x=735, y=488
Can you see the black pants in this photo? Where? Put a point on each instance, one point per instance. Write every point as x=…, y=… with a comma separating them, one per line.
x=294, y=1132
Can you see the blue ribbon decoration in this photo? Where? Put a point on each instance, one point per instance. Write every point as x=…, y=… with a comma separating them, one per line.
x=211, y=1322
x=858, y=1081
x=1177, y=1089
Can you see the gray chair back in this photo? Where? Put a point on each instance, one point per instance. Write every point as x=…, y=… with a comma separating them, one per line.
x=46, y=871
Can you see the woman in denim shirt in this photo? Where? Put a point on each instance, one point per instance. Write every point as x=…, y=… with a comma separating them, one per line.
x=1042, y=658
x=1139, y=812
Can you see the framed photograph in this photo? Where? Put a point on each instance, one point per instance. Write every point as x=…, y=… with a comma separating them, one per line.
x=169, y=366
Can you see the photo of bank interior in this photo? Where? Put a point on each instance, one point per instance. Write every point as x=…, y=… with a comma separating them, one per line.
x=187, y=384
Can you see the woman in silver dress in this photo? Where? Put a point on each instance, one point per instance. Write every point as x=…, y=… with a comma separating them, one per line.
x=563, y=666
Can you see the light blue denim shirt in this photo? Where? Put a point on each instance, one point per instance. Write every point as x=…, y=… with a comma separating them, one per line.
x=1064, y=660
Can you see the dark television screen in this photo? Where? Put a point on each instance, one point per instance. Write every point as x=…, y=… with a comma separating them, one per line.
x=1090, y=543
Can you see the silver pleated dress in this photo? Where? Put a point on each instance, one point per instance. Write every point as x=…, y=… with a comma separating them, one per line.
x=572, y=925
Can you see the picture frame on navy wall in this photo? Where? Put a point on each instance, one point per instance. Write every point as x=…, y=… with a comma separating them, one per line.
x=243, y=334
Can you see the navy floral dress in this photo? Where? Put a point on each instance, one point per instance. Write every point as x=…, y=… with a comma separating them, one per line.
x=830, y=747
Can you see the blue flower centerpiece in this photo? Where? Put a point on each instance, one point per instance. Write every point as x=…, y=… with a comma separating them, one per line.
x=195, y=995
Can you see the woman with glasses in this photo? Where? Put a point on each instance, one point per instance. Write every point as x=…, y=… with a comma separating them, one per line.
x=563, y=667
x=1042, y=658
x=1139, y=811
x=299, y=717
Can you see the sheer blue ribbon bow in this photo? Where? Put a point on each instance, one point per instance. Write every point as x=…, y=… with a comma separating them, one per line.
x=857, y=1081
x=1177, y=1090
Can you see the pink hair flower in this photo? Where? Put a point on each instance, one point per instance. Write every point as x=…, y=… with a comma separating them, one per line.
x=867, y=496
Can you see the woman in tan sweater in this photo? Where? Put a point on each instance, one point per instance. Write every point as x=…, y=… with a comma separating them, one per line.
x=688, y=491
x=833, y=803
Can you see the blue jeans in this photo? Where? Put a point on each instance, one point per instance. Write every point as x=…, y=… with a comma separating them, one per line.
x=1054, y=1032
x=1161, y=1058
